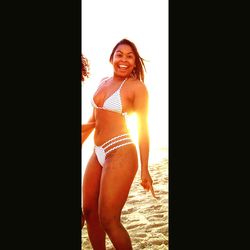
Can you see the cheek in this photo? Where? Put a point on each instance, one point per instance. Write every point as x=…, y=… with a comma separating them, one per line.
x=114, y=61
x=133, y=62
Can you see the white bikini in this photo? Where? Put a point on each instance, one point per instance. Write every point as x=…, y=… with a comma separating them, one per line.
x=114, y=104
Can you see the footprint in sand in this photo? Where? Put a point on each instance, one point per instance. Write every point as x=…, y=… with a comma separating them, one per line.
x=163, y=230
x=128, y=210
x=134, y=225
x=153, y=216
x=139, y=235
x=156, y=224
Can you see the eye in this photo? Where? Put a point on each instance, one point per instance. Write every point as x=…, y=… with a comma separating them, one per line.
x=118, y=54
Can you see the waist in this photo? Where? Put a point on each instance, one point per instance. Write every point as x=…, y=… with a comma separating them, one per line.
x=101, y=137
x=110, y=124
x=115, y=142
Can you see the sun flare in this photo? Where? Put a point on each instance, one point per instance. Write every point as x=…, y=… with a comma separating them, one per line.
x=132, y=127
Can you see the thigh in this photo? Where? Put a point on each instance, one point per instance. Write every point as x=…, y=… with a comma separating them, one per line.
x=91, y=182
x=118, y=174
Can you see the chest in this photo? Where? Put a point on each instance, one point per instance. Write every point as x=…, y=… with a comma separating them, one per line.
x=107, y=95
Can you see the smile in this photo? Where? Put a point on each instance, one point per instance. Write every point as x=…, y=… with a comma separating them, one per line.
x=123, y=66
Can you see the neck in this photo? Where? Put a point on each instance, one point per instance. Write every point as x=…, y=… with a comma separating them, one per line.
x=119, y=78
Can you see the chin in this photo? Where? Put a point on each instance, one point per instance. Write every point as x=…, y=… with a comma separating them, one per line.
x=123, y=74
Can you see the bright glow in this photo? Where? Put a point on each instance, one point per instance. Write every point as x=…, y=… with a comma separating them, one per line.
x=145, y=22
x=132, y=127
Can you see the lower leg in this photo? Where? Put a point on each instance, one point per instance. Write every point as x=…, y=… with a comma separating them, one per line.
x=91, y=186
x=118, y=236
x=95, y=231
x=82, y=219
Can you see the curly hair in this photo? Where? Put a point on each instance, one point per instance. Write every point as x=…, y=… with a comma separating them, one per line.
x=84, y=68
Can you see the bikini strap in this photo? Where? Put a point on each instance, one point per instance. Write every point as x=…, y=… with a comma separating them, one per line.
x=114, y=138
x=116, y=141
x=122, y=84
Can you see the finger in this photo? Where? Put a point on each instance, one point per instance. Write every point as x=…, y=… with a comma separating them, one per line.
x=152, y=191
x=144, y=183
x=145, y=186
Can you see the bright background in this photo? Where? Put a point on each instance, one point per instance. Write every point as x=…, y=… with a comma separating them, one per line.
x=144, y=22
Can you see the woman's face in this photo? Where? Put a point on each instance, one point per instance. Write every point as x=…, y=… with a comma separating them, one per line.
x=123, y=60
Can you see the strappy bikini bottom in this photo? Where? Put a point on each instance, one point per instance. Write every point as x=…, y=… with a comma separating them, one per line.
x=110, y=145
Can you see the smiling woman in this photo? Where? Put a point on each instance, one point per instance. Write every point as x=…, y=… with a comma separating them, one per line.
x=115, y=154
x=129, y=106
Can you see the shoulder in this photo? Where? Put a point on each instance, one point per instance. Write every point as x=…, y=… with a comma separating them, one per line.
x=139, y=88
x=140, y=96
x=105, y=78
x=102, y=81
x=137, y=85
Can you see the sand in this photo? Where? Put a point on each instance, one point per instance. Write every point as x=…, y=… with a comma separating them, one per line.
x=144, y=217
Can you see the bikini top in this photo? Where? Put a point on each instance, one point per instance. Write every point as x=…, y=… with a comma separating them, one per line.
x=112, y=103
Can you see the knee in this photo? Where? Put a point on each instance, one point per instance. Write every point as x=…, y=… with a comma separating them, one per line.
x=89, y=211
x=108, y=220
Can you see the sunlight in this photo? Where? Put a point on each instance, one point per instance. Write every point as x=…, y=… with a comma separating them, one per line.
x=132, y=127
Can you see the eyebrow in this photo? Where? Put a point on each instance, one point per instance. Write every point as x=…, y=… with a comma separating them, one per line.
x=127, y=53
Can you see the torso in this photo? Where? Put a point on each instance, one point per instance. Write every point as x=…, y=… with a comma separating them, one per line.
x=112, y=123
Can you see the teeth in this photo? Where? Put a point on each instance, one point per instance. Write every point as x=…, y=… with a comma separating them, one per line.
x=123, y=66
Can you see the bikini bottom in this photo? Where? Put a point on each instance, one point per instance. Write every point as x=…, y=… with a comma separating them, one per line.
x=110, y=145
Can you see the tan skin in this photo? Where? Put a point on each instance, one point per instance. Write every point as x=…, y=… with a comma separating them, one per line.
x=105, y=189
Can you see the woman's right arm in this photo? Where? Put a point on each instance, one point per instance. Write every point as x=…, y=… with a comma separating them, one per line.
x=88, y=127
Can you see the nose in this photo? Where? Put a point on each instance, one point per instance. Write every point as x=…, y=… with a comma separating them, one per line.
x=124, y=58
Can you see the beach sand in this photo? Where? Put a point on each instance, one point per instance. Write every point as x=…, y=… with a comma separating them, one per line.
x=144, y=217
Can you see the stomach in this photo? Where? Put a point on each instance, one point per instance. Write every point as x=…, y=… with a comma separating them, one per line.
x=108, y=125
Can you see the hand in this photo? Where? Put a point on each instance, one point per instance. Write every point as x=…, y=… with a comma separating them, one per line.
x=147, y=183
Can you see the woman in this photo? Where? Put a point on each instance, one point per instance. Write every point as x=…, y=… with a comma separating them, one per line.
x=113, y=164
x=84, y=75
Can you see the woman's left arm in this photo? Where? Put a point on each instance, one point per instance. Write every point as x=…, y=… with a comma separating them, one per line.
x=141, y=108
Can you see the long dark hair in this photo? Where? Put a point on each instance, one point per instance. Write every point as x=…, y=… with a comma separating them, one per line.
x=138, y=71
x=84, y=68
